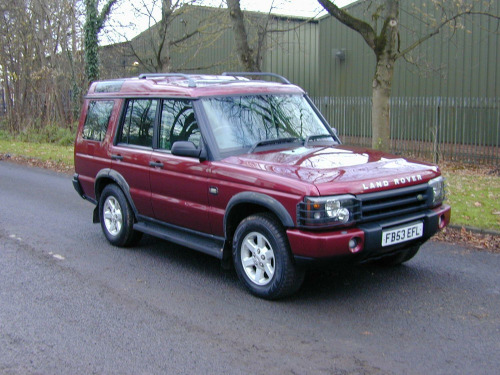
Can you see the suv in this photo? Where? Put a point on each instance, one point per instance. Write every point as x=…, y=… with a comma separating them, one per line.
x=247, y=171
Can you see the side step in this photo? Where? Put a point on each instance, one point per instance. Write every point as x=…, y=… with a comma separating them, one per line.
x=197, y=241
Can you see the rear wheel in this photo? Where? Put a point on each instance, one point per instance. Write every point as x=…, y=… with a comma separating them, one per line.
x=262, y=258
x=117, y=218
x=399, y=258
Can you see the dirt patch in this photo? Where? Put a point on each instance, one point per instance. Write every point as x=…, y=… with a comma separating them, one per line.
x=468, y=169
x=480, y=241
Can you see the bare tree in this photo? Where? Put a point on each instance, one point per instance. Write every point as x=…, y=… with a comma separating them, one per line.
x=180, y=27
x=388, y=47
x=35, y=42
x=254, y=32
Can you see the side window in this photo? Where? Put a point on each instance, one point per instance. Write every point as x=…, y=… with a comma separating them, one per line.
x=139, y=122
x=96, y=123
x=178, y=124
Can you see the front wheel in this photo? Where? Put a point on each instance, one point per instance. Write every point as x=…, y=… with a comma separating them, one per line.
x=262, y=258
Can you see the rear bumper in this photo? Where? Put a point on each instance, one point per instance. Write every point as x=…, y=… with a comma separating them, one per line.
x=78, y=186
x=314, y=246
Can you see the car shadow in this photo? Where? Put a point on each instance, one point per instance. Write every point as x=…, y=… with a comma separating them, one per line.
x=340, y=283
x=184, y=258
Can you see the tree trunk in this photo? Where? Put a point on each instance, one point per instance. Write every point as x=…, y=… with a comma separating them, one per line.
x=91, y=41
x=386, y=54
x=245, y=53
x=8, y=99
x=94, y=22
x=384, y=45
x=163, y=52
x=381, y=119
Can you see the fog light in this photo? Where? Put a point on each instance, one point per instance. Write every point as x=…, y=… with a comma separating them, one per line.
x=355, y=244
x=442, y=222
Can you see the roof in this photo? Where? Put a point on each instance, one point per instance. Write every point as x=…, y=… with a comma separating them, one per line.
x=192, y=85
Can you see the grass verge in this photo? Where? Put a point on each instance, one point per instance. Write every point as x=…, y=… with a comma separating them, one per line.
x=474, y=195
x=45, y=155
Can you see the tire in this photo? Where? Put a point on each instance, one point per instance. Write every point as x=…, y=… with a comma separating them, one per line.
x=117, y=218
x=262, y=258
x=399, y=258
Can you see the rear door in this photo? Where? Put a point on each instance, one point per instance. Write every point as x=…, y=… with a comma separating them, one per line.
x=93, y=140
x=132, y=149
x=179, y=185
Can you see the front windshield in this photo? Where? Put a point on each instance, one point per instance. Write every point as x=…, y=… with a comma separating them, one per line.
x=243, y=121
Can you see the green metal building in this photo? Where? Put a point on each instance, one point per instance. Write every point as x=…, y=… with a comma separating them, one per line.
x=460, y=61
x=446, y=92
x=445, y=98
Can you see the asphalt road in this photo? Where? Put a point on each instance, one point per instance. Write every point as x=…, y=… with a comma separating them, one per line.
x=70, y=303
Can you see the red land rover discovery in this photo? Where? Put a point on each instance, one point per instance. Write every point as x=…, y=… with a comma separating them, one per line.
x=247, y=171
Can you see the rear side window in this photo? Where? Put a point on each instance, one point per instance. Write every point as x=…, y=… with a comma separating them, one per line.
x=96, y=123
x=138, y=124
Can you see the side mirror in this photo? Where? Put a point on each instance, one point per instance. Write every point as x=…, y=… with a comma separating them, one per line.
x=187, y=148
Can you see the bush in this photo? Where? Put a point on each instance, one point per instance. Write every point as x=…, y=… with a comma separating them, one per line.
x=53, y=134
x=59, y=135
x=5, y=135
x=66, y=137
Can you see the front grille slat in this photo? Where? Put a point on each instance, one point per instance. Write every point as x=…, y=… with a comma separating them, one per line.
x=390, y=203
x=381, y=216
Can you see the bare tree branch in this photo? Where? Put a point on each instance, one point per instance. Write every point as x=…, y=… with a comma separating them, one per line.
x=363, y=28
x=440, y=26
x=106, y=10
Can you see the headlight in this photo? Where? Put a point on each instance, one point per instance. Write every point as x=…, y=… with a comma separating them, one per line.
x=334, y=210
x=438, y=191
x=323, y=212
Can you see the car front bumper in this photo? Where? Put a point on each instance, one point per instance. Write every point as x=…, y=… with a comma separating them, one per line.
x=367, y=238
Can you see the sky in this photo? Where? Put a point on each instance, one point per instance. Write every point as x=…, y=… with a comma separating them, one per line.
x=306, y=8
x=125, y=15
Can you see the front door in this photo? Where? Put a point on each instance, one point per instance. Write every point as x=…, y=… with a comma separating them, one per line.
x=179, y=187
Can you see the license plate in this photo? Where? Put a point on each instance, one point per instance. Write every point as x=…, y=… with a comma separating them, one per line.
x=402, y=234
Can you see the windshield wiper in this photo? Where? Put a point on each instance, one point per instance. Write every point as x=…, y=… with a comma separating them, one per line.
x=267, y=142
x=316, y=137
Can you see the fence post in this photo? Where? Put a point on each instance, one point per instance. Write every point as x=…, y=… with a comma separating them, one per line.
x=436, y=133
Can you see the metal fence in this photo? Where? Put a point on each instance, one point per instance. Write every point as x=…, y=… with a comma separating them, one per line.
x=453, y=129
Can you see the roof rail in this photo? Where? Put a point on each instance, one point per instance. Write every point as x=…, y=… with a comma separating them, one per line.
x=281, y=78
x=191, y=82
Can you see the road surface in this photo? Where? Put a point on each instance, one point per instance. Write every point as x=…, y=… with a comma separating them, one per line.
x=70, y=303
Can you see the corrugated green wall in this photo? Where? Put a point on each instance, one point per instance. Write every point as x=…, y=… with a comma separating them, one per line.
x=459, y=62
x=290, y=49
x=294, y=54
x=455, y=63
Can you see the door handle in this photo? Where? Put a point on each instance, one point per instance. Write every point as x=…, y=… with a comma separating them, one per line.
x=156, y=164
x=116, y=157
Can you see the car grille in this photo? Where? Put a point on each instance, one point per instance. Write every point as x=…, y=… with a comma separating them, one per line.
x=386, y=204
